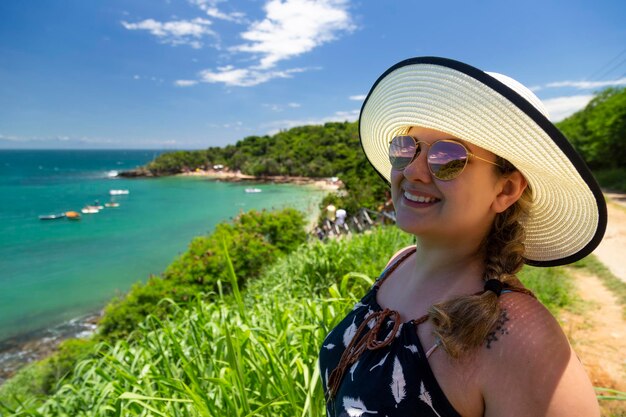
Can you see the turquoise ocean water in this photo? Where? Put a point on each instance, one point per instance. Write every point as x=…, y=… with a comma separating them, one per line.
x=57, y=270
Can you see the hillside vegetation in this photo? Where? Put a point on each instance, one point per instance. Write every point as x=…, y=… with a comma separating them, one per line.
x=249, y=353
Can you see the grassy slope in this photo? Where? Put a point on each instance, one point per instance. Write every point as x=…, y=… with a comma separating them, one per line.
x=252, y=355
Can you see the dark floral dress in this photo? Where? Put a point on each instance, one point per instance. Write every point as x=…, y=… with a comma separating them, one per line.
x=394, y=380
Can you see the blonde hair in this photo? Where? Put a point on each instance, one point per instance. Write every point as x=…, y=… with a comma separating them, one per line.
x=463, y=324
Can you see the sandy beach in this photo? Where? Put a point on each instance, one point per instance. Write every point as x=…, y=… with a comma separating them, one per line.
x=326, y=184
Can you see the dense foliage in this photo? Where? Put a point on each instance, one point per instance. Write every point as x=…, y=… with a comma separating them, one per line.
x=253, y=240
x=598, y=132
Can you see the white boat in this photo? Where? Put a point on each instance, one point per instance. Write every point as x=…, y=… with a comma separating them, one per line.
x=52, y=216
x=253, y=190
x=118, y=192
x=90, y=210
x=111, y=204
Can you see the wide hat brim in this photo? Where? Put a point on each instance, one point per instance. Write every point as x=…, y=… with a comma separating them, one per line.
x=568, y=216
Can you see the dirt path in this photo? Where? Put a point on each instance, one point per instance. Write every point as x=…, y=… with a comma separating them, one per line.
x=612, y=249
x=598, y=333
x=598, y=336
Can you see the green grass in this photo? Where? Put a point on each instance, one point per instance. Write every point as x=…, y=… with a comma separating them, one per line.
x=552, y=286
x=247, y=354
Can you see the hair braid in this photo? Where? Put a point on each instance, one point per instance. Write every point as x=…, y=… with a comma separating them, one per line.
x=462, y=324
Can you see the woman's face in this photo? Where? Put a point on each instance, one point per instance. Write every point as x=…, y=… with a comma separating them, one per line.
x=452, y=211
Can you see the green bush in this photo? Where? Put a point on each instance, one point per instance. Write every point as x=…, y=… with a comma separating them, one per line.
x=122, y=314
x=254, y=240
x=39, y=379
x=612, y=179
x=317, y=266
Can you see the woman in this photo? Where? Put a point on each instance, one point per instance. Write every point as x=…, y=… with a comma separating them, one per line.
x=486, y=184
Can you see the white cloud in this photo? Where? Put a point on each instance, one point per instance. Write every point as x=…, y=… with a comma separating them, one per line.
x=178, y=32
x=360, y=97
x=9, y=138
x=185, y=83
x=279, y=108
x=340, y=116
x=272, y=107
x=293, y=27
x=586, y=85
x=80, y=142
x=290, y=28
x=243, y=77
x=210, y=8
x=561, y=107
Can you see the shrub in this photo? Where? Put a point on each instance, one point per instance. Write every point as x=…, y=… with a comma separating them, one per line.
x=254, y=240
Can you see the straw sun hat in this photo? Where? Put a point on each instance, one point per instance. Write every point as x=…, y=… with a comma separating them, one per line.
x=568, y=216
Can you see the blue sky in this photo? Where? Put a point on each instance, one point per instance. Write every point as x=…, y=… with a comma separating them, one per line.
x=188, y=74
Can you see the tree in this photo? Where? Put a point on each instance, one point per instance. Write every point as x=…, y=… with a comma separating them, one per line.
x=598, y=132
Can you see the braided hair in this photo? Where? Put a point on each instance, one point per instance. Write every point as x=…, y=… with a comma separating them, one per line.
x=463, y=323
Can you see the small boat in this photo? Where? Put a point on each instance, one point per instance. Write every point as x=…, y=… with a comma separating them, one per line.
x=72, y=215
x=253, y=190
x=52, y=216
x=90, y=210
x=111, y=204
x=118, y=192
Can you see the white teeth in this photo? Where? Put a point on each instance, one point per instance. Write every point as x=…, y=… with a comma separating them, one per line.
x=419, y=198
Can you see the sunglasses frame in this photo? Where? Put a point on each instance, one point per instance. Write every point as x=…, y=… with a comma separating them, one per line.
x=429, y=146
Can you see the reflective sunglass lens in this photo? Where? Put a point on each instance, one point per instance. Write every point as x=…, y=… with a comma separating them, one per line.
x=447, y=159
x=402, y=150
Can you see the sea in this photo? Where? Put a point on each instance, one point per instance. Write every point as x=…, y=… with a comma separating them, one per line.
x=55, y=271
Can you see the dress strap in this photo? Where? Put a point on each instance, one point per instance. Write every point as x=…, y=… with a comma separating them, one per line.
x=395, y=263
x=433, y=348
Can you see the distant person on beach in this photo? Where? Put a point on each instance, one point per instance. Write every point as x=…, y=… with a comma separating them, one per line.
x=341, y=217
x=486, y=183
x=331, y=212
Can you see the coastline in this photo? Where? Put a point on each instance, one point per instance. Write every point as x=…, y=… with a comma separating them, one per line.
x=19, y=351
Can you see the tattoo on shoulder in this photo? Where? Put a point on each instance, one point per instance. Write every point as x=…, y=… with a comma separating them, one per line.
x=500, y=329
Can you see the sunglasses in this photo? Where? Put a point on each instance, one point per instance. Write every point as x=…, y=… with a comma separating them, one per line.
x=446, y=158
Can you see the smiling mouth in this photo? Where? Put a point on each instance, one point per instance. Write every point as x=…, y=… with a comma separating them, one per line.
x=420, y=198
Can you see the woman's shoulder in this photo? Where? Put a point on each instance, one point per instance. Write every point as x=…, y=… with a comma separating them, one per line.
x=529, y=367
x=523, y=319
x=399, y=254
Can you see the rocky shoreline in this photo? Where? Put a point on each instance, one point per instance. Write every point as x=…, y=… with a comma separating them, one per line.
x=18, y=351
